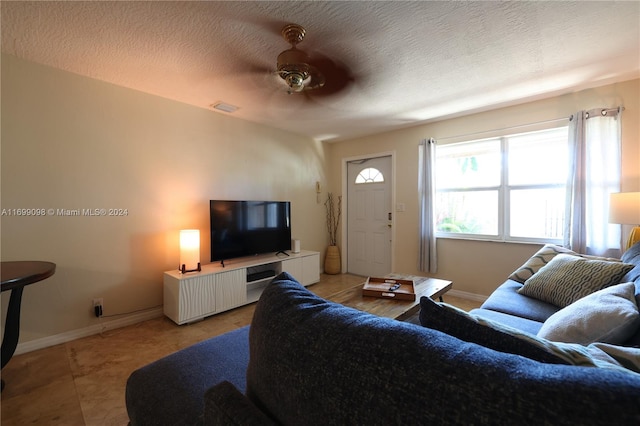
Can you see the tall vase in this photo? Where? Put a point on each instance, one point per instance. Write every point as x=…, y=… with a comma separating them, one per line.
x=332, y=261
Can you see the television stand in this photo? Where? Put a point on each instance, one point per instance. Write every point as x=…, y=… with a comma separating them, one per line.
x=255, y=276
x=283, y=252
x=236, y=282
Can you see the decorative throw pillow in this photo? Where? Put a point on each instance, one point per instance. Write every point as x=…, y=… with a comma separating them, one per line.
x=567, y=278
x=537, y=261
x=499, y=337
x=609, y=315
x=458, y=323
x=544, y=256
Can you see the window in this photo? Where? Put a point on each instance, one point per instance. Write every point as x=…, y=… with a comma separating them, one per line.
x=510, y=188
x=369, y=175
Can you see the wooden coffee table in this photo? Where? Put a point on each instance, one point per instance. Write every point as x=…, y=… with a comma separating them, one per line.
x=392, y=308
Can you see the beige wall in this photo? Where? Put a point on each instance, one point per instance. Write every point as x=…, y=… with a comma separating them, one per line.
x=70, y=142
x=478, y=267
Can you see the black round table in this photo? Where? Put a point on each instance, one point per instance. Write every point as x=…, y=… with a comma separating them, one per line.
x=14, y=276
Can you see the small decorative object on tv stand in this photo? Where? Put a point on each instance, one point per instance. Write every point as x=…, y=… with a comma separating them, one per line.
x=189, y=250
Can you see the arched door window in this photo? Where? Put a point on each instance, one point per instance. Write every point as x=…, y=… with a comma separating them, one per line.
x=370, y=175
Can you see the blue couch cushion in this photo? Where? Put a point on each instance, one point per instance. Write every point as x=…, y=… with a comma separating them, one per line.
x=225, y=405
x=633, y=256
x=316, y=362
x=526, y=325
x=170, y=391
x=463, y=326
x=506, y=299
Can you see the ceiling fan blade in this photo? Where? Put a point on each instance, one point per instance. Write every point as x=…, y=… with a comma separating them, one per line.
x=257, y=68
x=336, y=75
x=256, y=74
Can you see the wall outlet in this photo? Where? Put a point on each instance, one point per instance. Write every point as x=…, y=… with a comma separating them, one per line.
x=98, y=305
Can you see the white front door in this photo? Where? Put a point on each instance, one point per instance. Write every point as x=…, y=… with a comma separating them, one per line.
x=369, y=216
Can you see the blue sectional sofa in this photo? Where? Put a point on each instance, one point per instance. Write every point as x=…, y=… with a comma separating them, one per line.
x=507, y=306
x=305, y=360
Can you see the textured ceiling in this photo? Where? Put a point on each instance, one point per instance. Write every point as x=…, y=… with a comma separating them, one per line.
x=410, y=62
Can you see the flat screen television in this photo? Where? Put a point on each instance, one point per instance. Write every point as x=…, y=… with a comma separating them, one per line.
x=247, y=228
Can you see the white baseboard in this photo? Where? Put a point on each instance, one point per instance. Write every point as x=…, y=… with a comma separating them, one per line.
x=103, y=326
x=124, y=321
x=467, y=295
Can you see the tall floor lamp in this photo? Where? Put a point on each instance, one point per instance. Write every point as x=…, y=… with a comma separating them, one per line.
x=624, y=208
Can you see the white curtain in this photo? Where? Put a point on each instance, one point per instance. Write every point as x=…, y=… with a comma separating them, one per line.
x=594, y=143
x=575, y=230
x=427, y=259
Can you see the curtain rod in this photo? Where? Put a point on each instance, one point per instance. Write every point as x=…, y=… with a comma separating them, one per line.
x=601, y=112
x=554, y=120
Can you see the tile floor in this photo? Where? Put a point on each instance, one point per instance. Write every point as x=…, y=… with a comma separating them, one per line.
x=82, y=382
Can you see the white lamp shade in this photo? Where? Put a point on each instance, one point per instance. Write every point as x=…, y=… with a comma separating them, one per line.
x=190, y=248
x=624, y=208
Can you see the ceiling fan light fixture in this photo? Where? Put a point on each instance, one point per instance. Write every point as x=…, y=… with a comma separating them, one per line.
x=295, y=81
x=293, y=65
x=292, y=57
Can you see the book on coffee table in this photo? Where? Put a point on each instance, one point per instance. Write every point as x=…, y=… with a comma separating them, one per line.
x=389, y=288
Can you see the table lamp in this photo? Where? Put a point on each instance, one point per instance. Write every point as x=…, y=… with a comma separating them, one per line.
x=624, y=208
x=189, y=250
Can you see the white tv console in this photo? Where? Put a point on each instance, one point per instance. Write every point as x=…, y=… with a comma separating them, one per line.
x=194, y=295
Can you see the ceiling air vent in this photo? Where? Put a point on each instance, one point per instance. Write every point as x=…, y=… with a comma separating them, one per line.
x=221, y=106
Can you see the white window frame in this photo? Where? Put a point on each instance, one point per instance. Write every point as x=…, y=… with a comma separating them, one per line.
x=361, y=179
x=504, y=192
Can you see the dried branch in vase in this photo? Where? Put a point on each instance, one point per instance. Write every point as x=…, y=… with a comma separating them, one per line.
x=333, y=217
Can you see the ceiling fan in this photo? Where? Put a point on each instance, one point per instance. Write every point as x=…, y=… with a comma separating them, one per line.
x=303, y=73
x=294, y=65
